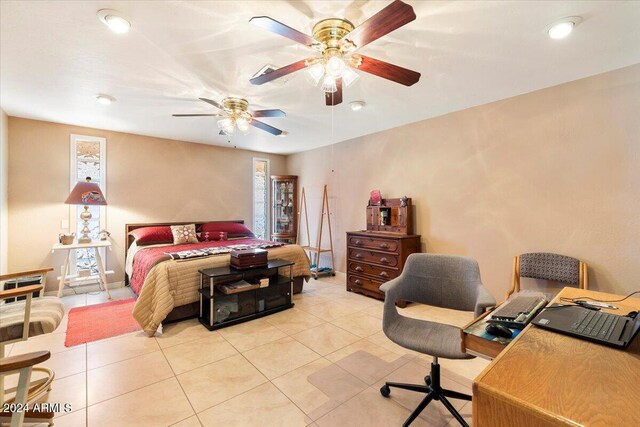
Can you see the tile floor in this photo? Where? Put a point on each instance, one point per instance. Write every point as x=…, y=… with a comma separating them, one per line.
x=319, y=364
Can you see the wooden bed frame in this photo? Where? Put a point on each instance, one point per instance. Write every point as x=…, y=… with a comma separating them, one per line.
x=193, y=309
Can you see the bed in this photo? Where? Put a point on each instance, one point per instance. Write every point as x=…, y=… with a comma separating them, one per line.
x=165, y=276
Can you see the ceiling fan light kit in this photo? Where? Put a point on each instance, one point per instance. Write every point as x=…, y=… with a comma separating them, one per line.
x=236, y=114
x=336, y=40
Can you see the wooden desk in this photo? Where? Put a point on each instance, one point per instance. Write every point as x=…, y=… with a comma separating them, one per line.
x=547, y=379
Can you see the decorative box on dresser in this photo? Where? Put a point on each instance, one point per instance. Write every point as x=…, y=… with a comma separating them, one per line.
x=378, y=254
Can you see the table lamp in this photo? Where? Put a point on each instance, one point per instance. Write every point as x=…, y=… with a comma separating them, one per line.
x=86, y=193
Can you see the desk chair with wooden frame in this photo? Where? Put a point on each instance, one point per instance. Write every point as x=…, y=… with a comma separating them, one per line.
x=20, y=320
x=548, y=266
x=23, y=366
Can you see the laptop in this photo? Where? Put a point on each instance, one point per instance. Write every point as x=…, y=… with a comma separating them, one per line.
x=588, y=324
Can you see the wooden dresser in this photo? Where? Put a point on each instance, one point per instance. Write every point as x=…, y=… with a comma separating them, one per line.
x=376, y=257
x=377, y=254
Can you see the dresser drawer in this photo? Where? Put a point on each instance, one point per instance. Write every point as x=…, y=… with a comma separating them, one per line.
x=382, y=273
x=373, y=243
x=389, y=260
x=359, y=283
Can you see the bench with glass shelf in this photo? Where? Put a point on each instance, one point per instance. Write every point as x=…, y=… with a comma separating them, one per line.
x=229, y=296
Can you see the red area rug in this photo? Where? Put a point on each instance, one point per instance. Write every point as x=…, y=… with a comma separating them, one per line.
x=100, y=321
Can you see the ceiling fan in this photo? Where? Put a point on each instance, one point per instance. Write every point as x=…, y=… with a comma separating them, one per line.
x=336, y=40
x=235, y=113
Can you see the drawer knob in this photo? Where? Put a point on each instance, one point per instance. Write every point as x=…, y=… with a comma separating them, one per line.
x=359, y=269
x=384, y=260
x=357, y=282
x=357, y=243
x=384, y=274
x=384, y=246
x=358, y=255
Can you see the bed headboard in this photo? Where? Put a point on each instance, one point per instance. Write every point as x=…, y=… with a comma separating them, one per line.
x=130, y=227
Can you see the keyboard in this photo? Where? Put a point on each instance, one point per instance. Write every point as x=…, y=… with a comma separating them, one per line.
x=595, y=324
x=518, y=311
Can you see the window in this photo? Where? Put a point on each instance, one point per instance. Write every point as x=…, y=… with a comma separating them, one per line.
x=261, y=198
x=88, y=158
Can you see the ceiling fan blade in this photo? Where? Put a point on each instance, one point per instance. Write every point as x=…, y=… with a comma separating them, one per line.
x=299, y=65
x=212, y=102
x=274, y=26
x=387, y=71
x=334, y=98
x=269, y=113
x=195, y=115
x=265, y=127
x=387, y=20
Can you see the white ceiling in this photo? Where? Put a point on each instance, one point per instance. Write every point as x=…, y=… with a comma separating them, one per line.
x=55, y=56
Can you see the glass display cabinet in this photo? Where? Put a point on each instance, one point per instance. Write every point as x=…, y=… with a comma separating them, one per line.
x=284, y=208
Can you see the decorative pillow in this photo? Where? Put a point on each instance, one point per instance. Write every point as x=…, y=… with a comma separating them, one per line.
x=208, y=236
x=152, y=235
x=233, y=229
x=184, y=234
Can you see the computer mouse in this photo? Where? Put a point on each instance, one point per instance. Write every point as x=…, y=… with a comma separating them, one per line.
x=499, y=330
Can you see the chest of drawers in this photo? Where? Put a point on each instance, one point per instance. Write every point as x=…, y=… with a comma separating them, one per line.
x=376, y=257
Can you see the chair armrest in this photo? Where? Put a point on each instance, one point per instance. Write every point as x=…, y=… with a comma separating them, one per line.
x=20, y=361
x=25, y=273
x=392, y=288
x=18, y=292
x=484, y=300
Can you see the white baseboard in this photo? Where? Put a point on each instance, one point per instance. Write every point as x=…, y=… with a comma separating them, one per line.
x=84, y=289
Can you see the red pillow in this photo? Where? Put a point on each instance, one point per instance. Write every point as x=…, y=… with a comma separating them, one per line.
x=208, y=236
x=152, y=235
x=233, y=229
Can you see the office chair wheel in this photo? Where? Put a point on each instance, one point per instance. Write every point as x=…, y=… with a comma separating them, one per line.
x=427, y=380
x=385, y=390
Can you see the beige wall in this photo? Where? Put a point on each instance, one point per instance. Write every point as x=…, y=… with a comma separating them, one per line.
x=555, y=170
x=148, y=179
x=4, y=175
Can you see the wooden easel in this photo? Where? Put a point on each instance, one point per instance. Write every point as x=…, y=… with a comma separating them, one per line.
x=317, y=250
x=303, y=207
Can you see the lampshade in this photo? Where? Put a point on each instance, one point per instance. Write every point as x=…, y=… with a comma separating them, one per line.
x=329, y=84
x=349, y=76
x=316, y=72
x=86, y=193
x=227, y=125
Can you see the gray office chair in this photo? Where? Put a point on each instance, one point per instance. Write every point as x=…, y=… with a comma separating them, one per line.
x=443, y=281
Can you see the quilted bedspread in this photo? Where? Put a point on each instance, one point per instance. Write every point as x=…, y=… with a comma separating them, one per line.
x=173, y=283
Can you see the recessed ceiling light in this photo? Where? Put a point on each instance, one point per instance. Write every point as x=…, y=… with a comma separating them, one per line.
x=105, y=99
x=114, y=21
x=357, y=105
x=563, y=27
